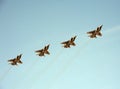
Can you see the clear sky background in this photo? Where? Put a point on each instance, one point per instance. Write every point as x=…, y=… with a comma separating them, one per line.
x=29, y=25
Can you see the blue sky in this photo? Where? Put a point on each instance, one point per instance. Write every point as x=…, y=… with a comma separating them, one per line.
x=29, y=25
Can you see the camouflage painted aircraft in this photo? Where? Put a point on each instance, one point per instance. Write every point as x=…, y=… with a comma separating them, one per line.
x=94, y=33
x=43, y=51
x=16, y=60
x=67, y=44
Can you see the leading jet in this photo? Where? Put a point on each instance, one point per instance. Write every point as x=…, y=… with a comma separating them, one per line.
x=43, y=51
x=16, y=60
x=95, y=33
x=67, y=44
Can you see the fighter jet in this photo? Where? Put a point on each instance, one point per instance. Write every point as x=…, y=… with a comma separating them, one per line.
x=43, y=51
x=67, y=44
x=94, y=33
x=16, y=60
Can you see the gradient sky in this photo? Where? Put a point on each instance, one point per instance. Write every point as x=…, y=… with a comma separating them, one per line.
x=29, y=25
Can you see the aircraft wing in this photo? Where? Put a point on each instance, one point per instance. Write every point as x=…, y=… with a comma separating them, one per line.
x=41, y=54
x=99, y=34
x=92, y=36
x=47, y=52
x=65, y=42
x=73, y=44
x=14, y=63
x=11, y=60
x=39, y=50
x=91, y=32
x=20, y=61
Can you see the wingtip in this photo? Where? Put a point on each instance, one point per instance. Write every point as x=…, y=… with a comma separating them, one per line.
x=62, y=43
x=75, y=36
x=21, y=54
x=87, y=32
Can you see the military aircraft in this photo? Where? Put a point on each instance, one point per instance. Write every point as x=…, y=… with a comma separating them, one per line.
x=67, y=44
x=16, y=60
x=43, y=51
x=94, y=33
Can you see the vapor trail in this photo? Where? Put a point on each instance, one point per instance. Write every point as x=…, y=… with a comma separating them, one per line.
x=110, y=30
x=64, y=68
x=5, y=74
x=47, y=67
x=77, y=53
x=27, y=71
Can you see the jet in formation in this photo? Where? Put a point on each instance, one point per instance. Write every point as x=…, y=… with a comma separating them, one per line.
x=67, y=44
x=16, y=60
x=43, y=51
x=95, y=33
